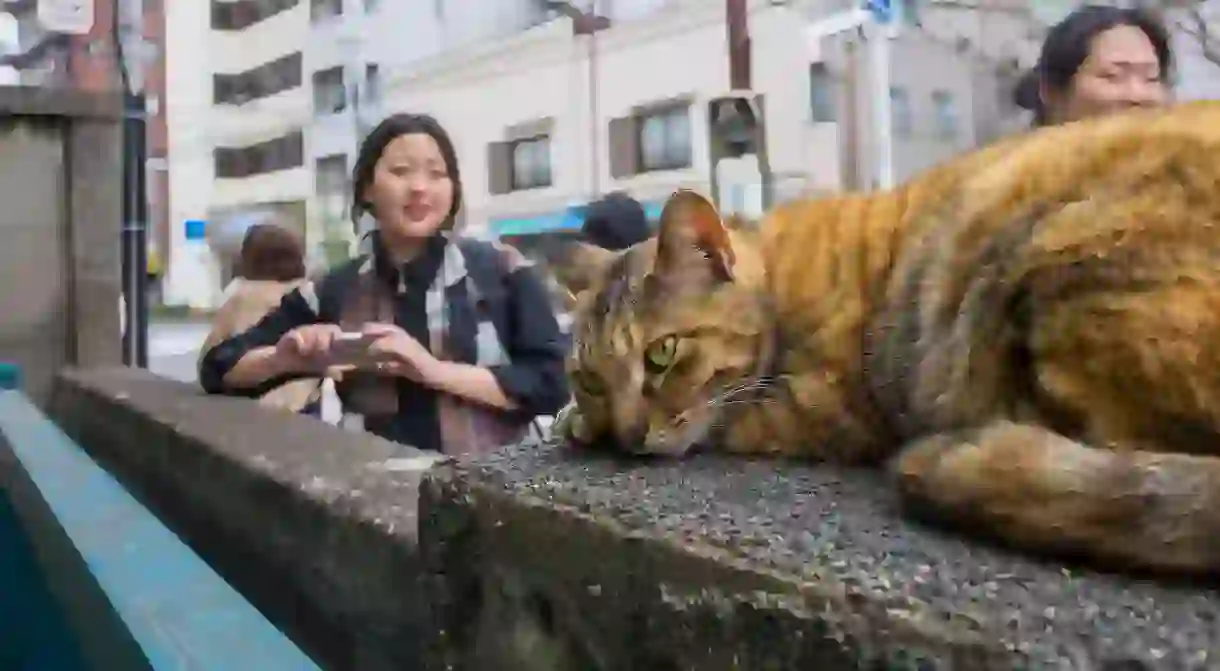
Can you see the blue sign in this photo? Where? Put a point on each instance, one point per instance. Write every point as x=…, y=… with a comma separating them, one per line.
x=195, y=229
x=882, y=10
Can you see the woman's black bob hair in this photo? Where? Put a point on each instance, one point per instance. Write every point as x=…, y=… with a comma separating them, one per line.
x=1068, y=44
x=374, y=144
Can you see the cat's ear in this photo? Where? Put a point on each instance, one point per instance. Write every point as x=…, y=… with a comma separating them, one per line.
x=576, y=265
x=691, y=231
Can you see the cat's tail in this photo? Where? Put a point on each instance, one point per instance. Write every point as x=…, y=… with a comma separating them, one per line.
x=1038, y=490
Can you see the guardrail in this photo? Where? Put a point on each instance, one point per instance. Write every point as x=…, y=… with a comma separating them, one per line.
x=132, y=595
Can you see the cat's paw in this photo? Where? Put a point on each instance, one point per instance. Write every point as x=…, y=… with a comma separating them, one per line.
x=570, y=426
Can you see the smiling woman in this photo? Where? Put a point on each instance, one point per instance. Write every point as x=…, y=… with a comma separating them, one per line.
x=463, y=346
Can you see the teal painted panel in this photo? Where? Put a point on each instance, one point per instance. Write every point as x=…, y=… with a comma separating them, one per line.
x=34, y=632
x=174, y=606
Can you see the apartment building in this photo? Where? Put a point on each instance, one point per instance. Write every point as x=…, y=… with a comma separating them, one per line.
x=239, y=110
x=540, y=131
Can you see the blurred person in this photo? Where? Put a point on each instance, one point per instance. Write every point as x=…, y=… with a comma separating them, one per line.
x=615, y=222
x=270, y=264
x=459, y=346
x=1098, y=60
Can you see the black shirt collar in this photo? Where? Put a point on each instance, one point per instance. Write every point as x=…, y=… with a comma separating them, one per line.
x=419, y=271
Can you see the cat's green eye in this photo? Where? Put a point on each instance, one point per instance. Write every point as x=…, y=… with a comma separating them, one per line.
x=661, y=354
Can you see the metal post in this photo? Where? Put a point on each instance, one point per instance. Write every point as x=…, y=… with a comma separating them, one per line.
x=134, y=232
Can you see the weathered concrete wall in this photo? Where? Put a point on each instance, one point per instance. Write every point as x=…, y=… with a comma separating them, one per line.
x=718, y=564
x=61, y=189
x=540, y=559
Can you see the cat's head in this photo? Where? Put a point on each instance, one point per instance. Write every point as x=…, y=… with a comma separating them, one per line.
x=666, y=331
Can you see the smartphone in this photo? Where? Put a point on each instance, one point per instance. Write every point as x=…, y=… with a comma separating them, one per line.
x=350, y=348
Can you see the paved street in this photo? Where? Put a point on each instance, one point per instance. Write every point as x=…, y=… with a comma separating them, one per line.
x=173, y=348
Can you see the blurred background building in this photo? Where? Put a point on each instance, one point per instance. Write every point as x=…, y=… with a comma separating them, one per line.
x=33, y=56
x=259, y=104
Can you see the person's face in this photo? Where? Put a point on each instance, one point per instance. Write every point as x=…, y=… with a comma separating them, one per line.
x=1121, y=72
x=411, y=192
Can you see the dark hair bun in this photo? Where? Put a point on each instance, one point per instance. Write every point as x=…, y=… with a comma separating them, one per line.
x=1025, y=95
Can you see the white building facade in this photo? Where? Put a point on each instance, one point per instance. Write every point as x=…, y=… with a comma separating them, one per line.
x=238, y=107
x=535, y=144
x=268, y=102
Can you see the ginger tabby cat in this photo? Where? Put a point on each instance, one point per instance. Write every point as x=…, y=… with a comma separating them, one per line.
x=1028, y=336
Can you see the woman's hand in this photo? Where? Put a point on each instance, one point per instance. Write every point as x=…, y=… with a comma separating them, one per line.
x=400, y=353
x=306, y=349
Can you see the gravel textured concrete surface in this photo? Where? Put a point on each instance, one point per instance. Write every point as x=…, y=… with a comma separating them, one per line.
x=757, y=565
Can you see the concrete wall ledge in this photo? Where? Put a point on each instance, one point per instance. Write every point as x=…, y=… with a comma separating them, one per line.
x=315, y=526
x=540, y=558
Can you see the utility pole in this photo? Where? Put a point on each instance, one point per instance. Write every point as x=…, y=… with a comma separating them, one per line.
x=876, y=20
x=851, y=124
x=879, y=58
x=588, y=24
x=737, y=31
x=737, y=140
x=134, y=236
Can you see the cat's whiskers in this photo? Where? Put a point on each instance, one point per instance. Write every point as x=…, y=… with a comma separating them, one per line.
x=730, y=395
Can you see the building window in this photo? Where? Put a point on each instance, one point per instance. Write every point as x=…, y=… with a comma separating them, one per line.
x=320, y=10
x=908, y=11
x=821, y=94
x=241, y=14
x=331, y=186
x=531, y=163
x=946, y=114
x=438, y=10
x=329, y=93
x=371, y=6
x=900, y=112
x=372, y=83
x=282, y=153
x=665, y=139
x=266, y=80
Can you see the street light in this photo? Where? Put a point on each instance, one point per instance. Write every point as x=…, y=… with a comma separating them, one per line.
x=588, y=24
x=130, y=56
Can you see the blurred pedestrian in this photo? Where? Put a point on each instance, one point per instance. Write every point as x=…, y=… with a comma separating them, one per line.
x=270, y=264
x=615, y=222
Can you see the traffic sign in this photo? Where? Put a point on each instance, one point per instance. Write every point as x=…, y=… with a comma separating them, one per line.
x=74, y=17
x=194, y=229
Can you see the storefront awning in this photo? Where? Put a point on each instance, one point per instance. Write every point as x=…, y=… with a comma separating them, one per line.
x=567, y=219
